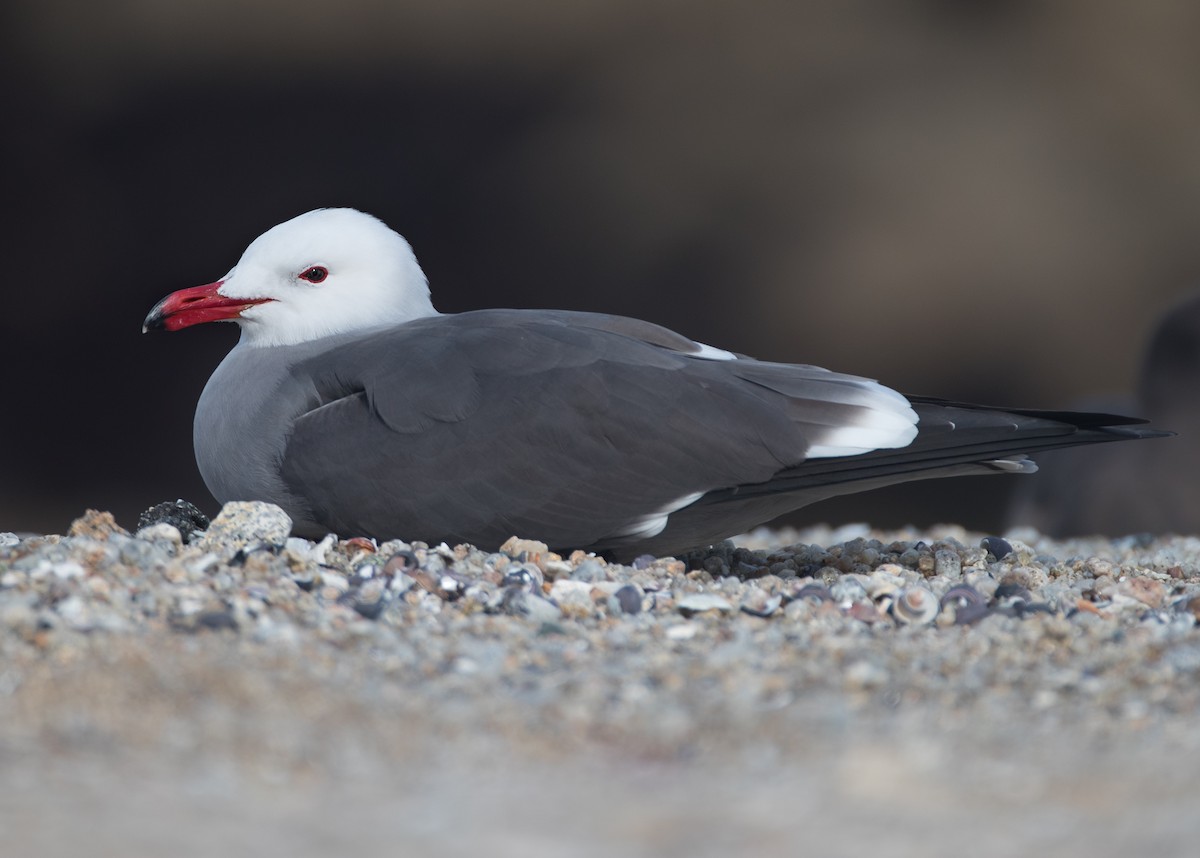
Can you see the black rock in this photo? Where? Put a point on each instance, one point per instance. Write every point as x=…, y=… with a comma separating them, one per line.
x=715, y=556
x=630, y=599
x=1012, y=592
x=747, y=571
x=368, y=609
x=206, y=621
x=185, y=517
x=995, y=546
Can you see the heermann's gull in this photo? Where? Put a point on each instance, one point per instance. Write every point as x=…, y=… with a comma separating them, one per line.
x=1142, y=488
x=358, y=408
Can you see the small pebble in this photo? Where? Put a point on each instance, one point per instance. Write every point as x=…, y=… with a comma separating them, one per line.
x=996, y=546
x=698, y=603
x=629, y=598
x=244, y=523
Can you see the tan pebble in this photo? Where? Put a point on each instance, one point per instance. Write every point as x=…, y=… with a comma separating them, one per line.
x=576, y=611
x=864, y=612
x=566, y=589
x=96, y=525
x=531, y=548
x=1145, y=590
x=607, y=588
x=425, y=580
x=1090, y=608
x=499, y=563
x=492, y=576
x=99, y=588
x=295, y=561
x=1098, y=566
x=1017, y=575
x=555, y=568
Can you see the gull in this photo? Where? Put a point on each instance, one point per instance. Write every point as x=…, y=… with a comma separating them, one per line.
x=354, y=405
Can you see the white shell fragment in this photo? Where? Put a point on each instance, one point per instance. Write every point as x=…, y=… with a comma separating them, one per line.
x=915, y=606
x=698, y=603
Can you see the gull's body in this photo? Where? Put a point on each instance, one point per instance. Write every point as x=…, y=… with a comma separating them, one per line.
x=361, y=410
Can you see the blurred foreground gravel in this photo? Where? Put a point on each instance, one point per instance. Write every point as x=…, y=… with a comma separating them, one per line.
x=821, y=692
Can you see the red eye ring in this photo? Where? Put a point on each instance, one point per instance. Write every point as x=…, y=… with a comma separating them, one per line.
x=316, y=274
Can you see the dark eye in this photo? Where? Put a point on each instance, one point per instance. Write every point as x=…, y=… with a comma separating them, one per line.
x=315, y=274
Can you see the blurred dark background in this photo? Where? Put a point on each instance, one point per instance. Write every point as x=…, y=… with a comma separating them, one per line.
x=980, y=200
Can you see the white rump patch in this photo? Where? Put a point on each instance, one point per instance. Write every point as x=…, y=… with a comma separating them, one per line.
x=885, y=420
x=653, y=524
x=711, y=353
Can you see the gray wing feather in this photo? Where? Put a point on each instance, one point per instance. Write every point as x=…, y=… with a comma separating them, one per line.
x=477, y=426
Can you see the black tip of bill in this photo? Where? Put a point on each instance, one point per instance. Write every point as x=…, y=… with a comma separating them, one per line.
x=155, y=319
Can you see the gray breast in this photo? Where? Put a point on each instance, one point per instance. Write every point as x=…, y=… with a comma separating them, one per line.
x=243, y=419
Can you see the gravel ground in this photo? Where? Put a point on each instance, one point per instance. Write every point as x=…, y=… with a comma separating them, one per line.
x=819, y=692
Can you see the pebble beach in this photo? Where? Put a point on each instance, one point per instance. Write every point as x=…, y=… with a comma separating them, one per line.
x=848, y=691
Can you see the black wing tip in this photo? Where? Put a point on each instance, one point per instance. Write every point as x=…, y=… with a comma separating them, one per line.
x=1078, y=419
x=1138, y=431
x=1083, y=419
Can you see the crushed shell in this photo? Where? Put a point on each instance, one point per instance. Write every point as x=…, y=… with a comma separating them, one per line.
x=915, y=606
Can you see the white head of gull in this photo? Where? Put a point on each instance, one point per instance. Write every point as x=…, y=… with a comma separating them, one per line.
x=329, y=271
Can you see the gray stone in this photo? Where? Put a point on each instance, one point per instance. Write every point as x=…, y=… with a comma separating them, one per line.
x=241, y=524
